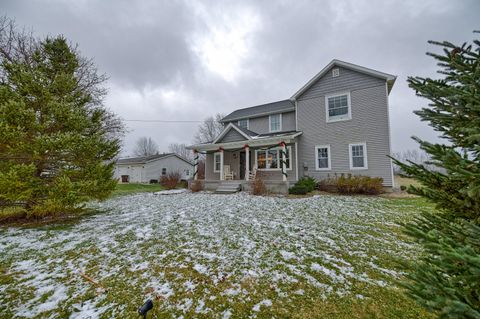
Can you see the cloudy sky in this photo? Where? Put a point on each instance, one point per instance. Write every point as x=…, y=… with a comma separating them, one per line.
x=186, y=60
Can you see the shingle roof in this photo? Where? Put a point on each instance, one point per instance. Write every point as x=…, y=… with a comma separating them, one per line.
x=269, y=108
x=142, y=159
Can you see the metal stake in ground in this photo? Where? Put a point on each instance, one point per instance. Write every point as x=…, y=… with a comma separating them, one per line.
x=146, y=307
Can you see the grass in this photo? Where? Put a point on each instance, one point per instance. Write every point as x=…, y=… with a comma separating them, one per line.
x=128, y=189
x=208, y=256
x=405, y=181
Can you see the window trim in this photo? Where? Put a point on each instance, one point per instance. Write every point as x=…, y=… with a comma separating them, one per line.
x=329, y=168
x=349, y=103
x=270, y=122
x=288, y=147
x=365, y=157
x=248, y=123
x=214, y=163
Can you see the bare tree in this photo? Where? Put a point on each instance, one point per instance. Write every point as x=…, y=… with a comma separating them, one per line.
x=180, y=149
x=209, y=129
x=145, y=146
x=414, y=155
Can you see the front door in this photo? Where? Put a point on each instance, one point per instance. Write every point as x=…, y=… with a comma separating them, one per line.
x=242, y=165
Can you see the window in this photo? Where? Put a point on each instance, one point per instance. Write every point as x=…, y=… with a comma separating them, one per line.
x=358, y=156
x=187, y=172
x=322, y=157
x=335, y=73
x=275, y=122
x=243, y=123
x=338, y=107
x=164, y=171
x=271, y=159
x=216, y=162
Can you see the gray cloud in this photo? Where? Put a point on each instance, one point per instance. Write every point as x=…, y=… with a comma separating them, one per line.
x=186, y=60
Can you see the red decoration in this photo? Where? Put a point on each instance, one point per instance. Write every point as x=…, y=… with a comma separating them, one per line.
x=245, y=146
x=282, y=144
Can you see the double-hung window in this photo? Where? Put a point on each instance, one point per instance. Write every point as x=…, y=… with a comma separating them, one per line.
x=338, y=107
x=358, y=156
x=243, y=123
x=271, y=159
x=216, y=162
x=322, y=157
x=275, y=122
x=164, y=171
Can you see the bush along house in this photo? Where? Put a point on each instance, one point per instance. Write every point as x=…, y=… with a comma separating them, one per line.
x=337, y=123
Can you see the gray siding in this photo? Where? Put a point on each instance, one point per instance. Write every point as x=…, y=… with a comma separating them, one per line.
x=348, y=80
x=232, y=136
x=260, y=124
x=369, y=123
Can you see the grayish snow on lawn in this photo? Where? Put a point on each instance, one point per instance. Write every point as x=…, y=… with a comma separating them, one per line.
x=200, y=254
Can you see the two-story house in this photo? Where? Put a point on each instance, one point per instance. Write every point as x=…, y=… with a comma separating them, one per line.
x=336, y=123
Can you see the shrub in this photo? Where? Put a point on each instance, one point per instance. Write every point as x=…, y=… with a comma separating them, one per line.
x=357, y=184
x=298, y=190
x=403, y=187
x=308, y=182
x=171, y=180
x=196, y=186
x=12, y=213
x=258, y=185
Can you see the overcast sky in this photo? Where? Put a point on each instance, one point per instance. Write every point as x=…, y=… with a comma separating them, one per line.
x=185, y=60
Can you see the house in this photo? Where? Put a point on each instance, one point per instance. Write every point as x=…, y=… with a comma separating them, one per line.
x=337, y=123
x=145, y=169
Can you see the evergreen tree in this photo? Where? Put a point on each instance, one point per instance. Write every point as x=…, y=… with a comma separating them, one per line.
x=57, y=140
x=446, y=279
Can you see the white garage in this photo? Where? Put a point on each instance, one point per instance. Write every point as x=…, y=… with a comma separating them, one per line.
x=144, y=169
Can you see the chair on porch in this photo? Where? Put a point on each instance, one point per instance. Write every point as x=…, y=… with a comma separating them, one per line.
x=227, y=173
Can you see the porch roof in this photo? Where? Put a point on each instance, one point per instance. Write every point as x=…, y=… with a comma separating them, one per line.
x=255, y=141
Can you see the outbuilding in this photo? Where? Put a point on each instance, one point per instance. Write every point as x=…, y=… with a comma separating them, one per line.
x=148, y=168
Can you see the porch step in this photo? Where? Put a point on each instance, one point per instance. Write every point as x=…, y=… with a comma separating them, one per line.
x=228, y=187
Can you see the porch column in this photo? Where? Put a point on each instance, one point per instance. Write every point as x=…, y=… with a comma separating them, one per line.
x=247, y=162
x=222, y=177
x=195, y=164
x=284, y=161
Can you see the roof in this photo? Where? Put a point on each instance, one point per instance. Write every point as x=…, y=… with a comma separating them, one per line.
x=254, y=141
x=259, y=110
x=388, y=77
x=146, y=159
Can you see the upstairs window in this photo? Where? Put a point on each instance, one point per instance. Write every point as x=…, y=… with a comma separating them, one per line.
x=243, y=124
x=358, y=156
x=338, y=107
x=164, y=171
x=275, y=122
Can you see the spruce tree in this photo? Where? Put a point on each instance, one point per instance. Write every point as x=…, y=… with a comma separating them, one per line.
x=446, y=279
x=57, y=140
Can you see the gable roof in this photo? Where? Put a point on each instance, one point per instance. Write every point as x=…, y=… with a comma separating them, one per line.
x=260, y=110
x=232, y=126
x=146, y=159
x=388, y=77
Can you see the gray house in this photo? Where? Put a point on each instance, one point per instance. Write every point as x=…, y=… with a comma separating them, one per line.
x=144, y=169
x=336, y=123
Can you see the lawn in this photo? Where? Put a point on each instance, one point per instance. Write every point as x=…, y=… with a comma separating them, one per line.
x=214, y=256
x=127, y=189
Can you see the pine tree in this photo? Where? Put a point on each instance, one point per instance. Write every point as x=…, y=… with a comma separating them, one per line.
x=446, y=279
x=57, y=140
